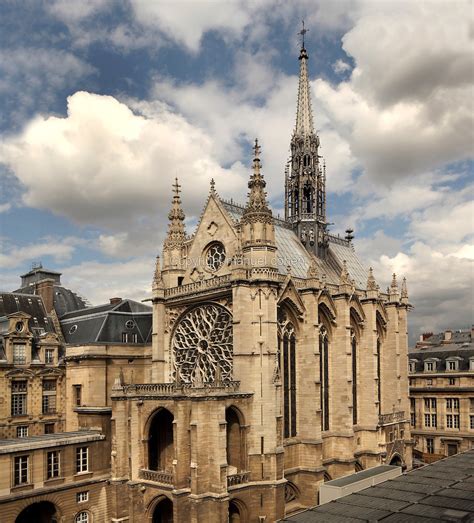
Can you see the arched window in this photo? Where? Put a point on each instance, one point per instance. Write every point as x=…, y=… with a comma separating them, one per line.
x=160, y=442
x=380, y=337
x=287, y=358
x=235, y=440
x=354, y=375
x=82, y=517
x=324, y=376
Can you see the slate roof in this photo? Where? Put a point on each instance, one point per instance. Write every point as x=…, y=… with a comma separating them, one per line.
x=11, y=302
x=442, y=491
x=106, y=323
x=460, y=346
x=291, y=251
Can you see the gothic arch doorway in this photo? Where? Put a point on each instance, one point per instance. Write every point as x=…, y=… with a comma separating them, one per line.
x=160, y=441
x=163, y=511
x=237, y=511
x=396, y=460
x=42, y=512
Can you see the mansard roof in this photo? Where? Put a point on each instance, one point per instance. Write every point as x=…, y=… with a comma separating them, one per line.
x=39, y=322
x=292, y=252
x=106, y=323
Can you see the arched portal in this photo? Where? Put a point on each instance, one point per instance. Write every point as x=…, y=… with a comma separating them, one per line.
x=163, y=512
x=42, y=512
x=160, y=442
x=235, y=440
x=237, y=511
x=396, y=460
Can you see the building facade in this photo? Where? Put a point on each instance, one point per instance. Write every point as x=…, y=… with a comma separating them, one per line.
x=441, y=378
x=277, y=363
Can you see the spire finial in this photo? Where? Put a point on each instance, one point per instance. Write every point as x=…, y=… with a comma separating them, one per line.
x=176, y=188
x=213, y=185
x=371, y=283
x=302, y=33
x=176, y=232
x=393, y=290
x=404, y=293
x=256, y=150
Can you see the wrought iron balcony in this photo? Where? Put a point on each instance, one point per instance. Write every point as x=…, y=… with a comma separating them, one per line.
x=157, y=476
x=392, y=417
x=238, y=479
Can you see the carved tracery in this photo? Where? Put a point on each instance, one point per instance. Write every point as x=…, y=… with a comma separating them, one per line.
x=202, y=345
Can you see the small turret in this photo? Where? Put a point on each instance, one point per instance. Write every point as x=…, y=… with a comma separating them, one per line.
x=404, y=293
x=372, y=287
x=394, y=295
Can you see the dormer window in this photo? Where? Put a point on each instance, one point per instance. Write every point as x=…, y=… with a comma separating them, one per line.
x=49, y=356
x=412, y=366
x=452, y=363
x=430, y=366
x=471, y=364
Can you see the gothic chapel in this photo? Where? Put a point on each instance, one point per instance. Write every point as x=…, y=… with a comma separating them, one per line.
x=277, y=363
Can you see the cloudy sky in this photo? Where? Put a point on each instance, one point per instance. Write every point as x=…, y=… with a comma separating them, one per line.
x=103, y=103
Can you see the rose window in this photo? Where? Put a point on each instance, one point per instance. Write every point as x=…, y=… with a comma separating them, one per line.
x=215, y=257
x=202, y=345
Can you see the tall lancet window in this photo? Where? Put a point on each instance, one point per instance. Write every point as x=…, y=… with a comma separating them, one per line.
x=354, y=375
x=324, y=376
x=380, y=338
x=287, y=359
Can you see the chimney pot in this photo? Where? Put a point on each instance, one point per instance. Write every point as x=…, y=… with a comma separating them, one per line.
x=114, y=301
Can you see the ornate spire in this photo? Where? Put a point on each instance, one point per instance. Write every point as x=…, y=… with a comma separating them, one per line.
x=176, y=231
x=345, y=279
x=371, y=283
x=372, y=287
x=212, y=186
x=304, y=115
x=257, y=202
x=393, y=291
x=404, y=293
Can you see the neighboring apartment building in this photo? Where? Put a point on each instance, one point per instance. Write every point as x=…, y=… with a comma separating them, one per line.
x=441, y=377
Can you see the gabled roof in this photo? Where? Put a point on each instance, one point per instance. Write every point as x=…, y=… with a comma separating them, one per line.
x=292, y=252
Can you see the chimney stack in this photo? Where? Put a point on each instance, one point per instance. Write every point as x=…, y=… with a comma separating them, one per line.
x=44, y=288
x=115, y=301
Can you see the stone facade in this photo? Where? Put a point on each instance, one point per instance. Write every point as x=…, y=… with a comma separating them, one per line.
x=276, y=361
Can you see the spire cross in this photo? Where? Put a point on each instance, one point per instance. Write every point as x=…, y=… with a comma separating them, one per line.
x=302, y=33
x=176, y=187
x=256, y=149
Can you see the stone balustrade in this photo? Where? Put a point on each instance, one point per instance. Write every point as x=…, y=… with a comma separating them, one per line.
x=157, y=476
x=392, y=417
x=238, y=479
x=171, y=389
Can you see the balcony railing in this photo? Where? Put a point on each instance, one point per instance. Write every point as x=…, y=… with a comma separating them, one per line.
x=175, y=389
x=198, y=286
x=238, y=479
x=392, y=417
x=157, y=476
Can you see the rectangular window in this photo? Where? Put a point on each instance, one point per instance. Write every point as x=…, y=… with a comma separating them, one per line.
x=412, y=419
x=81, y=497
x=471, y=422
x=49, y=356
x=471, y=404
x=429, y=382
x=124, y=337
x=22, y=431
x=77, y=395
x=49, y=428
x=471, y=364
x=19, y=397
x=452, y=421
x=19, y=354
x=49, y=396
x=429, y=366
x=134, y=337
x=430, y=445
x=452, y=365
x=452, y=404
x=21, y=470
x=53, y=468
x=82, y=459
x=452, y=381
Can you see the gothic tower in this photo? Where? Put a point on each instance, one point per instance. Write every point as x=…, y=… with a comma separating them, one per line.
x=305, y=176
